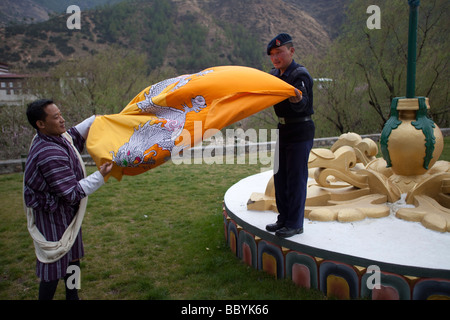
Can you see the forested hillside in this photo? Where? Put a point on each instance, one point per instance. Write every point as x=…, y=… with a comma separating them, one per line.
x=185, y=35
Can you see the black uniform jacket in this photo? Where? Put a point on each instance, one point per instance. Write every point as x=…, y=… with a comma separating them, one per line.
x=299, y=77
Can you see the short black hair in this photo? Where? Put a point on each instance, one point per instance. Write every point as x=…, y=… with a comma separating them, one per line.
x=36, y=112
x=289, y=45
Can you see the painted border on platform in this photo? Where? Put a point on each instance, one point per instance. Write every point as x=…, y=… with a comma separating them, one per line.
x=334, y=273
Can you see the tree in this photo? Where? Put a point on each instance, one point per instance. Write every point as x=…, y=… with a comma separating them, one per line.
x=375, y=60
x=339, y=98
x=100, y=84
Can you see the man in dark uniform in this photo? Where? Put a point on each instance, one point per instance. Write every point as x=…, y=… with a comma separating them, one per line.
x=296, y=134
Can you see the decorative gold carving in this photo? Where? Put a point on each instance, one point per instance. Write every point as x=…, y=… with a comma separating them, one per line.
x=349, y=184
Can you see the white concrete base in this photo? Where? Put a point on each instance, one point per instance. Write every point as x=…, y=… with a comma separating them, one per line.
x=387, y=240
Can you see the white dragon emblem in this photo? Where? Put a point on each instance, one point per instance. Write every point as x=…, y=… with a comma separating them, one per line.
x=162, y=130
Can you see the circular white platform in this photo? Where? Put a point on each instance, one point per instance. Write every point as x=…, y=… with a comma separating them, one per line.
x=393, y=244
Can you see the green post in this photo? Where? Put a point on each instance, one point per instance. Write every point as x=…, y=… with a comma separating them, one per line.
x=412, y=48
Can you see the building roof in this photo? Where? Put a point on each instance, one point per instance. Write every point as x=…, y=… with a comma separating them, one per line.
x=5, y=74
x=13, y=76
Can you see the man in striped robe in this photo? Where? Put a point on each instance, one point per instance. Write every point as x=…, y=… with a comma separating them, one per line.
x=54, y=185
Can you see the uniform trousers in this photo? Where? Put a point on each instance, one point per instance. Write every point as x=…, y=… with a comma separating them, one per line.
x=290, y=180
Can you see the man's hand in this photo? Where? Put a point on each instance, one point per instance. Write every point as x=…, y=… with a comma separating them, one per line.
x=106, y=168
x=298, y=97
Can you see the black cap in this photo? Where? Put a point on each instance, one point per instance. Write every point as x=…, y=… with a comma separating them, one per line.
x=278, y=41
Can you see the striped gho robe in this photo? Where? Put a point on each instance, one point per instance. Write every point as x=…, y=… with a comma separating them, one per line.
x=53, y=190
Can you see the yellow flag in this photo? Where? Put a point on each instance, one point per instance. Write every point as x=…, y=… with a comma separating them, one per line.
x=149, y=129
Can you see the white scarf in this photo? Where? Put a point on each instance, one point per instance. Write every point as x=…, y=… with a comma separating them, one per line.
x=51, y=251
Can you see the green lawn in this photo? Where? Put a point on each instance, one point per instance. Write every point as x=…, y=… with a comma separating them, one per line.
x=158, y=235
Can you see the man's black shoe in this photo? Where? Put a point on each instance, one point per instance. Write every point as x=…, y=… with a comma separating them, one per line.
x=286, y=232
x=274, y=226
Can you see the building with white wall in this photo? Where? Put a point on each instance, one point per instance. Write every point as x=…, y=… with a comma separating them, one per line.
x=13, y=88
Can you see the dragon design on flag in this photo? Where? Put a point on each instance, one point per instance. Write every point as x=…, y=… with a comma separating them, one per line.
x=161, y=131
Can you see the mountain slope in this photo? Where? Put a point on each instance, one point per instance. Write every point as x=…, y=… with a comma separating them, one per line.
x=330, y=14
x=186, y=35
x=268, y=18
x=25, y=11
